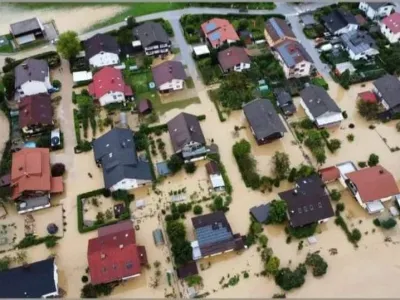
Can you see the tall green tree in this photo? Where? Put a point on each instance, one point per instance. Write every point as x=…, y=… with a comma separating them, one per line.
x=277, y=212
x=235, y=90
x=68, y=44
x=368, y=110
x=281, y=164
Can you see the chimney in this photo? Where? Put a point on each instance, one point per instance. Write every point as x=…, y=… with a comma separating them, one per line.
x=121, y=246
x=102, y=256
x=112, y=80
x=381, y=172
x=126, y=235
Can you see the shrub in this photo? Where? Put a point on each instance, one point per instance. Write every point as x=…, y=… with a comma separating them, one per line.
x=272, y=265
x=356, y=235
x=51, y=242
x=277, y=212
x=362, y=164
x=84, y=279
x=307, y=124
x=292, y=175
x=175, y=163
x=340, y=207
x=302, y=232
x=335, y=195
x=197, y=210
x=288, y=279
x=373, y=160
x=190, y=167
x=106, y=193
x=56, y=83
x=368, y=110
x=122, y=195
x=281, y=164
x=350, y=137
x=334, y=144
x=318, y=264
x=376, y=222
x=344, y=113
x=57, y=170
x=246, y=163
x=389, y=223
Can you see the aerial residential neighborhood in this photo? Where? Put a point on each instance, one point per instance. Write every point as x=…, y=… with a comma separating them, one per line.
x=199, y=150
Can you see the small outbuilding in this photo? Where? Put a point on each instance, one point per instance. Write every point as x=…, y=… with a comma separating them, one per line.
x=145, y=107
x=260, y=213
x=158, y=237
x=367, y=96
x=187, y=270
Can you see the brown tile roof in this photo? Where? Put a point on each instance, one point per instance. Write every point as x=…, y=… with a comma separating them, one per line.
x=374, y=183
x=168, y=71
x=145, y=106
x=35, y=109
x=212, y=168
x=329, y=174
x=232, y=56
x=30, y=171
x=278, y=29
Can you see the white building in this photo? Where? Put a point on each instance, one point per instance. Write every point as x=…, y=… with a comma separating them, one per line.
x=320, y=107
x=153, y=38
x=295, y=60
x=234, y=59
x=390, y=27
x=376, y=10
x=169, y=76
x=32, y=77
x=102, y=50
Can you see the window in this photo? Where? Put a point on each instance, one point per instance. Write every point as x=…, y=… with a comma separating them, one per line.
x=302, y=65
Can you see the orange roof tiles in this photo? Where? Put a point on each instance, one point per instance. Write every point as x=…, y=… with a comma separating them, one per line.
x=219, y=31
x=329, y=174
x=57, y=185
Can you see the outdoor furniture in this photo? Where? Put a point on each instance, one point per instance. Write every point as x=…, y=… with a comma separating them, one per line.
x=158, y=237
x=119, y=209
x=178, y=198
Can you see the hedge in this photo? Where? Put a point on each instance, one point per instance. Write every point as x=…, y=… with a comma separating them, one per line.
x=79, y=206
x=46, y=55
x=32, y=240
x=211, y=95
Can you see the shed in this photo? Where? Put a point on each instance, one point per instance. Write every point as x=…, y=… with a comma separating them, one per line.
x=162, y=168
x=145, y=106
x=343, y=67
x=187, y=270
x=140, y=203
x=82, y=76
x=329, y=174
x=260, y=213
x=201, y=50
x=158, y=237
x=307, y=19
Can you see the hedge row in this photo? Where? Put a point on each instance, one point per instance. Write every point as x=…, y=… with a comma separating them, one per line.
x=79, y=206
x=52, y=57
x=32, y=240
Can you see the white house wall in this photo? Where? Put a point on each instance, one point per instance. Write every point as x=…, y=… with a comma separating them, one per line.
x=241, y=67
x=308, y=113
x=104, y=59
x=33, y=88
x=392, y=37
x=114, y=97
x=175, y=84
x=329, y=118
x=348, y=28
x=129, y=184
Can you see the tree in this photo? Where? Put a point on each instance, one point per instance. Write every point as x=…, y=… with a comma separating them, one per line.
x=68, y=44
x=314, y=139
x=175, y=163
x=5, y=263
x=320, y=155
x=56, y=83
x=8, y=81
x=235, y=89
x=51, y=242
x=243, y=24
x=334, y=144
x=368, y=110
x=176, y=231
x=388, y=224
x=356, y=235
x=190, y=167
x=182, y=251
x=194, y=280
x=241, y=148
x=373, y=160
x=318, y=264
x=288, y=279
x=272, y=265
x=147, y=61
x=335, y=195
x=130, y=22
x=281, y=164
x=57, y=170
x=277, y=212
x=292, y=175
x=218, y=204
x=197, y=210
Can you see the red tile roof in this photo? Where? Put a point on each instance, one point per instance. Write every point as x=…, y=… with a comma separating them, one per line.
x=374, y=183
x=232, y=56
x=35, y=109
x=329, y=174
x=57, y=185
x=108, y=80
x=393, y=22
x=218, y=31
x=114, y=255
x=368, y=97
x=30, y=171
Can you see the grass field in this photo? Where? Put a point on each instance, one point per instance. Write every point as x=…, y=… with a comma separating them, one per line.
x=161, y=108
x=139, y=81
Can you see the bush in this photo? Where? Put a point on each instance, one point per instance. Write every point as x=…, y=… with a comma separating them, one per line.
x=56, y=83
x=340, y=207
x=277, y=212
x=57, y=170
x=281, y=164
x=376, y=222
x=84, y=279
x=197, y=210
x=247, y=164
x=318, y=264
x=288, y=279
x=368, y=110
x=122, y=195
x=334, y=145
x=373, y=160
x=362, y=164
x=175, y=163
x=292, y=175
x=106, y=193
x=350, y=137
x=307, y=124
x=303, y=232
x=356, y=235
x=389, y=223
x=335, y=195
x=190, y=167
x=32, y=240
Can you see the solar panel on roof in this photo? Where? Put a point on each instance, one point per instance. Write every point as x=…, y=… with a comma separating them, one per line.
x=210, y=27
x=278, y=30
x=215, y=36
x=207, y=235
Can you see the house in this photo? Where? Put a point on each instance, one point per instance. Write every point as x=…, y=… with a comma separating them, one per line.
x=214, y=236
x=35, y=113
x=340, y=21
x=123, y=169
x=219, y=31
x=387, y=88
x=343, y=67
x=376, y=10
x=35, y=280
x=265, y=123
x=102, y=50
x=27, y=31
x=145, y=107
x=187, y=137
x=32, y=77
x=372, y=186
x=114, y=255
x=359, y=44
x=320, y=107
x=169, y=76
x=390, y=27
x=284, y=101
x=295, y=60
x=153, y=38
x=216, y=179
x=276, y=31
x=329, y=174
x=108, y=86
x=233, y=59
x=308, y=202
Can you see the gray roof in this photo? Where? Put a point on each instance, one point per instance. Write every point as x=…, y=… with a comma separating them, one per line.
x=338, y=19
x=101, y=43
x=31, y=69
x=168, y=71
x=285, y=101
x=389, y=87
x=25, y=26
x=263, y=118
x=308, y=202
x=116, y=152
x=377, y=5
x=308, y=19
x=260, y=213
x=358, y=41
x=183, y=129
x=292, y=53
x=318, y=101
x=150, y=33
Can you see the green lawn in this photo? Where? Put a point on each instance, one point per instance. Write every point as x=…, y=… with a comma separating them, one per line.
x=139, y=81
x=189, y=83
x=6, y=48
x=161, y=108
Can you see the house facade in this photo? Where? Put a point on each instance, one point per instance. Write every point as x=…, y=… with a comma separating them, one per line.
x=376, y=10
x=153, y=38
x=294, y=59
x=169, y=76
x=390, y=27
x=32, y=77
x=276, y=31
x=102, y=50
x=359, y=45
x=234, y=59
